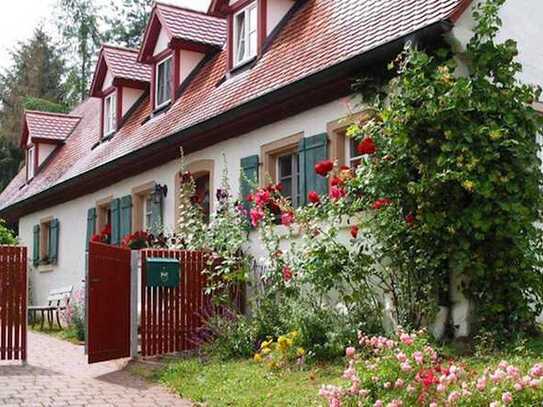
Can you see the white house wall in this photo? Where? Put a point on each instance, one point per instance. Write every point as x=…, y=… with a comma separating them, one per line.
x=130, y=96
x=162, y=42
x=189, y=60
x=44, y=151
x=108, y=81
x=276, y=10
x=72, y=215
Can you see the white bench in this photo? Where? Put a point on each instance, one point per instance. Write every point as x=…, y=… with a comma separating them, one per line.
x=57, y=301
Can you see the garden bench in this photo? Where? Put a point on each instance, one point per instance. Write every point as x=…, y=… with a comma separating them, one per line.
x=57, y=301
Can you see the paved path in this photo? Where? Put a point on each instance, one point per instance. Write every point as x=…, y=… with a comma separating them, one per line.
x=57, y=374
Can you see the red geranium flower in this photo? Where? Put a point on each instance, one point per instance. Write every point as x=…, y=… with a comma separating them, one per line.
x=250, y=198
x=313, y=197
x=262, y=198
x=256, y=216
x=337, y=192
x=381, y=203
x=287, y=273
x=410, y=218
x=324, y=167
x=287, y=218
x=336, y=181
x=354, y=231
x=96, y=238
x=366, y=146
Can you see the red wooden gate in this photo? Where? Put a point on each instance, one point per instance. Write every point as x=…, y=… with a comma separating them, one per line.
x=171, y=317
x=108, y=302
x=13, y=301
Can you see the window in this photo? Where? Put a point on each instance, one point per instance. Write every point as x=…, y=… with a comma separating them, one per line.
x=163, y=83
x=202, y=194
x=148, y=212
x=245, y=34
x=45, y=250
x=288, y=174
x=354, y=157
x=30, y=162
x=110, y=114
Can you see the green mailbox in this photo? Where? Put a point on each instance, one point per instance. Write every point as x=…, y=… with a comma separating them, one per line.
x=162, y=272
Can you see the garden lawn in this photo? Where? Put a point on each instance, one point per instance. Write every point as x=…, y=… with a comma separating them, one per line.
x=246, y=383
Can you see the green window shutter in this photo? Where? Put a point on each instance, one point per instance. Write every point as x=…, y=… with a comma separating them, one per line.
x=126, y=215
x=53, y=241
x=116, y=222
x=156, y=215
x=249, y=177
x=36, y=246
x=91, y=225
x=311, y=150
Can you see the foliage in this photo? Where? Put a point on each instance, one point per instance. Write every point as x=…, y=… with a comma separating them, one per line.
x=6, y=236
x=281, y=353
x=10, y=158
x=245, y=383
x=127, y=22
x=79, y=23
x=75, y=314
x=407, y=370
x=227, y=233
x=43, y=105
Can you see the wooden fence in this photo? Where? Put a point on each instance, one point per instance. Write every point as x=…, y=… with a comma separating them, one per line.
x=13, y=302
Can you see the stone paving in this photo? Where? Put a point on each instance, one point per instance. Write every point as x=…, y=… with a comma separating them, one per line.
x=57, y=374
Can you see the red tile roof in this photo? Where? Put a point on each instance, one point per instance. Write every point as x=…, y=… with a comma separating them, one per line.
x=319, y=35
x=123, y=63
x=190, y=25
x=50, y=126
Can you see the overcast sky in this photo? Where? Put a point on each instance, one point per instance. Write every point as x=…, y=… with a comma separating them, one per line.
x=19, y=18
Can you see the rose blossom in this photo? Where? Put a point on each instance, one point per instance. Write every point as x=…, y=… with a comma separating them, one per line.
x=350, y=352
x=287, y=273
x=366, y=146
x=337, y=193
x=507, y=398
x=256, y=216
x=419, y=358
x=262, y=197
x=287, y=218
x=354, y=231
x=313, y=197
x=324, y=167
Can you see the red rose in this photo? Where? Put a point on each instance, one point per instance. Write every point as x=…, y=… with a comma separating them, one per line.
x=381, y=203
x=262, y=198
x=287, y=273
x=354, y=231
x=335, y=181
x=287, y=218
x=313, y=197
x=345, y=168
x=324, y=167
x=250, y=198
x=279, y=187
x=366, y=146
x=256, y=216
x=337, y=192
x=410, y=218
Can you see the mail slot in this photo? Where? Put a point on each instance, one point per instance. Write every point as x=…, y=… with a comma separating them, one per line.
x=162, y=272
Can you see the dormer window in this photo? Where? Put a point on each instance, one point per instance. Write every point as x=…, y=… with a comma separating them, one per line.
x=245, y=34
x=110, y=114
x=30, y=162
x=163, y=87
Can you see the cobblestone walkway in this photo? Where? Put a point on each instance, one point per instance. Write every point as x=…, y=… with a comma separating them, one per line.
x=57, y=374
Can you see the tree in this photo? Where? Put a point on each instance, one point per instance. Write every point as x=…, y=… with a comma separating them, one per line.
x=79, y=23
x=129, y=21
x=6, y=235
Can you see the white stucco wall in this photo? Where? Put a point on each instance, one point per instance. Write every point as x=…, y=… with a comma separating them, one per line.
x=130, y=96
x=162, y=41
x=189, y=60
x=108, y=81
x=44, y=151
x=72, y=215
x=276, y=10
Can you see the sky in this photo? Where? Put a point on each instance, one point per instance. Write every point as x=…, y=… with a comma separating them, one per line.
x=19, y=18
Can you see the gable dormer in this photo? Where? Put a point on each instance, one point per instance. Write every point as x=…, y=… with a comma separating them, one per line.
x=119, y=80
x=42, y=134
x=176, y=40
x=250, y=23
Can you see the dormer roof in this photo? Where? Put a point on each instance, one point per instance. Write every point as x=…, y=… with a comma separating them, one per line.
x=123, y=66
x=45, y=127
x=187, y=27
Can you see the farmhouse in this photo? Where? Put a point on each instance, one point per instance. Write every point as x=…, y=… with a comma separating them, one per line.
x=262, y=87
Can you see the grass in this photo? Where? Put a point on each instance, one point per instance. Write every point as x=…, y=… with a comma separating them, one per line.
x=246, y=383
x=67, y=334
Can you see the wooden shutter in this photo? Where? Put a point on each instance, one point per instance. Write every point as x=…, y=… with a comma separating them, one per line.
x=156, y=215
x=36, y=246
x=311, y=150
x=116, y=222
x=53, y=241
x=91, y=225
x=126, y=215
x=249, y=176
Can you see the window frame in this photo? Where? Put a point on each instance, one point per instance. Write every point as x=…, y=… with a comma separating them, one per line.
x=294, y=175
x=110, y=117
x=31, y=162
x=45, y=241
x=246, y=12
x=147, y=211
x=166, y=102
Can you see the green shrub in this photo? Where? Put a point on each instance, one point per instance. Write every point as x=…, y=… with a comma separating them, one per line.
x=6, y=235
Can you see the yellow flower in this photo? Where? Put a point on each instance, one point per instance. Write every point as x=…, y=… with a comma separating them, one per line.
x=300, y=352
x=469, y=185
x=265, y=351
x=258, y=357
x=295, y=334
x=266, y=344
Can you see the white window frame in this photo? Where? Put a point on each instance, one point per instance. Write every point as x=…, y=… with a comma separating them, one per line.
x=247, y=35
x=157, y=85
x=147, y=212
x=110, y=114
x=31, y=162
x=350, y=146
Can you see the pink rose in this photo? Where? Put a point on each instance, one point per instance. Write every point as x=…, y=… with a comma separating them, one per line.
x=507, y=398
x=262, y=197
x=350, y=352
x=256, y=216
x=406, y=339
x=287, y=218
x=419, y=358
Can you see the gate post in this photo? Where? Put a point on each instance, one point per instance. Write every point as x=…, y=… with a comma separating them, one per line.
x=134, y=284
